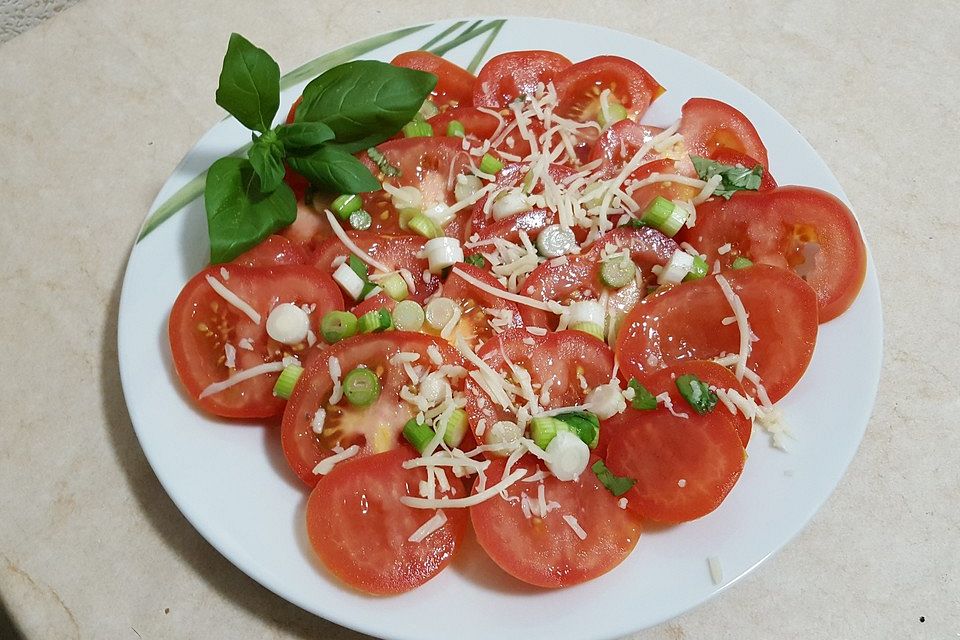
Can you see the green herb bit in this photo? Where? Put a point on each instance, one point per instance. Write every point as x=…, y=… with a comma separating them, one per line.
x=697, y=393
x=741, y=263
x=476, y=260
x=382, y=163
x=732, y=178
x=642, y=399
x=617, y=485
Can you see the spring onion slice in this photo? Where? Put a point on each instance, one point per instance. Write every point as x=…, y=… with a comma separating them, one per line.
x=395, y=286
x=424, y=226
x=283, y=388
x=699, y=269
x=375, y=321
x=455, y=128
x=618, y=272
x=591, y=328
x=490, y=164
x=360, y=220
x=346, y=204
x=361, y=387
x=418, y=434
x=338, y=325
x=741, y=263
x=456, y=428
x=408, y=315
x=417, y=129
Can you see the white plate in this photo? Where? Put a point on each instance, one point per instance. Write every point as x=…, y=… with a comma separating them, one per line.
x=233, y=485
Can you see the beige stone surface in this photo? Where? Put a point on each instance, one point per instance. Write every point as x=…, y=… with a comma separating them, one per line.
x=100, y=103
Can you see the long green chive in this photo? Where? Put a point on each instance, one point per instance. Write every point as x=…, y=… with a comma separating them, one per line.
x=741, y=263
x=346, y=204
x=456, y=428
x=418, y=434
x=287, y=381
x=490, y=164
x=361, y=387
x=697, y=393
x=698, y=270
x=455, y=128
x=338, y=325
x=617, y=485
x=642, y=399
x=360, y=220
x=417, y=129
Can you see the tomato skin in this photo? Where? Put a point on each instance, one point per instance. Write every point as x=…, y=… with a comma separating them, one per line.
x=772, y=228
x=782, y=310
x=619, y=142
x=359, y=528
x=303, y=448
x=579, y=87
x=661, y=452
x=201, y=322
x=454, y=84
x=546, y=552
x=731, y=157
x=707, y=125
x=273, y=250
x=473, y=300
x=506, y=76
x=477, y=125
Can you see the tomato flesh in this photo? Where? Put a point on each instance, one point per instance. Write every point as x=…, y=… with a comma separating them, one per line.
x=508, y=76
x=359, y=528
x=272, y=251
x=580, y=85
x=474, y=324
x=454, y=85
x=709, y=125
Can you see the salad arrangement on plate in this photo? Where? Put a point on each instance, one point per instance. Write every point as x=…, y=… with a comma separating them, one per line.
x=502, y=302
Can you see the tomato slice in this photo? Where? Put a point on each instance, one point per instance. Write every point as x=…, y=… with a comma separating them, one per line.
x=579, y=278
x=510, y=75
x=375, y=428
x=570, y=363
x=670, y=190
x=311, y=227
x=272, y=251
x=545, y=551
x=808, y=231
x=685, y=322
x=580, y=85
x=480, y=309
x=684, y=467
x=454, y=84
x=708, y=125
x=734, y=158
x=360, y=529
x=477, y=125
x=202, y=323
x=619, y=143
x=395, y=252
x=429, y=164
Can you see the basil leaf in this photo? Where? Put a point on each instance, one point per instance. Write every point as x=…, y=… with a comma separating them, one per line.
x=476, y=260
x=616, y=485
x=697, y=393
x=249, y=84
x=642, y=399
x=239, y=213
x=266, y=157
x=303, y=135
x=732, y=178
x=365, y=102
x=335, y=170
x=382, y=162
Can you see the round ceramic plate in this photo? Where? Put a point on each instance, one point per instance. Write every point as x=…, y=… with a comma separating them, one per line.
x=231, y=481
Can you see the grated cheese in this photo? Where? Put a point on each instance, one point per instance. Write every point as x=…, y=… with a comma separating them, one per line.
x=468, y=501
x=742, y=324
x=428, y=527
x=233, y=299
x=240, y=376
x=327, y=464
x=333, y=366
x=573, y=524
x=351, y=245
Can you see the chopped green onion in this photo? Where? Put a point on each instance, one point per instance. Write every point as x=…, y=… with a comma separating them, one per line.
x=741, y=263
x=665, y=216
x=408, y=316
x=361, y=387
x=618, y=272
x=338, y=325
x=456, y=428
x=360, y=220
x=476, y=260
x=617, y=113
x=375, y=321
x=591, y=328
x=395, y=286
x=418, y=434
x=427, y=110
x=406, y=215
x=617, y=485
x=642, y=399
x=382, y=163
x=358, y=266
x=584, y=424
x=417, y=129
x=346, y=204
x=424, y=226
x=455, y=128
x=697, y=393
x=287, y=381
x=698, y=270
x=544, y=430
x=490, y=164
x=439, y=312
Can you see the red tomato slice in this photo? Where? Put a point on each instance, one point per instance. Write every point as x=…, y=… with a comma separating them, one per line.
x=564, y=360
x=707, y=125
x=669, y=190
x=475, y=322
x=580, y=85
x=619, y=143
x=274, y=250
x=734, y=158
x=662, y=452
x=546, y=552
x=360, y=529
x=685, y=322
x=429, y=164
x=202, y=323
x=805, y=230
x=579, y=278
x=375, y=428
x=477, y=125
x=509, y=75
x=311, y=227
x=395, y=252
x=454, y=84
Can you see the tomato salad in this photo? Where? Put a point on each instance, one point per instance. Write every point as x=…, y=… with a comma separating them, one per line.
x=551, y=322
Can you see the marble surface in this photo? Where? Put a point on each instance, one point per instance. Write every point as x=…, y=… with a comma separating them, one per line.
x=100, y=103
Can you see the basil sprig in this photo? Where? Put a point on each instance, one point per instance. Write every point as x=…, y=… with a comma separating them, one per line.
x=732, y=178
x=346, y=109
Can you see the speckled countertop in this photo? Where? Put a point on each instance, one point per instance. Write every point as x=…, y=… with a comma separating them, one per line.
x=101, y=102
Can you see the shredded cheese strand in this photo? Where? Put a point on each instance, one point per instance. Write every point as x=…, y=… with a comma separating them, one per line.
x=240, y=376
x=351, y=245
x=233, y=299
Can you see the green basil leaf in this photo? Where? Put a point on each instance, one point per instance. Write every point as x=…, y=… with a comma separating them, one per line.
x=697, y=393
x=732, y=178
x=335, y=170
x=239, y=213
x=303, y=135
x=249, y=84
x=365, y=102
x=266, y=158
x=617, y=485
x=642, y=399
